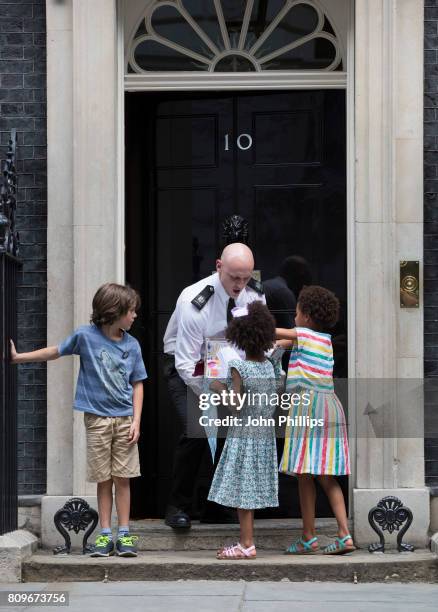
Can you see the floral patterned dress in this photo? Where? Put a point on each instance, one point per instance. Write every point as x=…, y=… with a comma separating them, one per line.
x=246, y=476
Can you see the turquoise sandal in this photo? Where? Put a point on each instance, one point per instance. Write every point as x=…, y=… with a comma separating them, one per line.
x=306, y=547
x=338, y=547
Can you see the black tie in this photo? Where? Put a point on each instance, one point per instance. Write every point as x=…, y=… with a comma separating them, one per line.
x=231, y=305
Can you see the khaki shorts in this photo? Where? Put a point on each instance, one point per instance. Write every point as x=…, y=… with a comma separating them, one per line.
x=108, y=451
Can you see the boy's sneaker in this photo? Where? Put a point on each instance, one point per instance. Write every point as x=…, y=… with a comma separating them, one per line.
x=125, y=546
x=104, y=547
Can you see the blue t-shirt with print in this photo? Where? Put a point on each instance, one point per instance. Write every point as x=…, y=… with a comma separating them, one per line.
x=107, y=370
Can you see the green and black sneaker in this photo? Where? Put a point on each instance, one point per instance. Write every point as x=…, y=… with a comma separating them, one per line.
x=125, y=546
x=104, y=547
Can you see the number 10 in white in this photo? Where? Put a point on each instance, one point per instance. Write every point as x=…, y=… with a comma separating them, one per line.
x=239, y=142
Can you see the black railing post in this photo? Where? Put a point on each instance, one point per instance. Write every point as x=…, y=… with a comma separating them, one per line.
x=9, y=267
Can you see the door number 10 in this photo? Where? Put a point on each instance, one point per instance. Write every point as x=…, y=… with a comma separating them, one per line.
x=244, y=142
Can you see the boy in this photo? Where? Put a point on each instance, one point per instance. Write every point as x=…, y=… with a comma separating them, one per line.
x=109, y=392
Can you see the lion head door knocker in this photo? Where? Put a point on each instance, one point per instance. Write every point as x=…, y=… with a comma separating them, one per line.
x=389, y=515
x=235, y=229
x=75, y=516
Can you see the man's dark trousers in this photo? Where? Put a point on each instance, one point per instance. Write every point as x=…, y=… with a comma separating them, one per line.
x=190, y=452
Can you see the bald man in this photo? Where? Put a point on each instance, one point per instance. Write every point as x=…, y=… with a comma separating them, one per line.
x=202, y=311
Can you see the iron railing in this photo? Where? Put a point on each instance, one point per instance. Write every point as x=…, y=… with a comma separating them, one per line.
x=9, y=267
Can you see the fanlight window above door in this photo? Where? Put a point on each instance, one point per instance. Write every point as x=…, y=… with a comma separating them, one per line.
x=234, y=36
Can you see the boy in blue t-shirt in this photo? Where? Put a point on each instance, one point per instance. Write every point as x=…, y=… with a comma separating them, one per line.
x=109, y=392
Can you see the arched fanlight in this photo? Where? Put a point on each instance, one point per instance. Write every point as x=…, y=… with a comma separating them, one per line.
x=234, y=36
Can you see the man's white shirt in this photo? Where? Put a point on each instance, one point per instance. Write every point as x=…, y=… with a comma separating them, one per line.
x=188, y=326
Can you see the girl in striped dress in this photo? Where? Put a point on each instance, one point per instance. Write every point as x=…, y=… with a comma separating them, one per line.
x=320, y=451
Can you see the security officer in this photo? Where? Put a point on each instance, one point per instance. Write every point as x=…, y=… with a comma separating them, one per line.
x=202, y=311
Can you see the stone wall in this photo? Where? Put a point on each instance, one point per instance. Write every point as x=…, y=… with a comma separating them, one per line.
x=23, y=106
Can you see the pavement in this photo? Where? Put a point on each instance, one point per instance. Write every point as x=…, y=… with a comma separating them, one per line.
x=231, y=596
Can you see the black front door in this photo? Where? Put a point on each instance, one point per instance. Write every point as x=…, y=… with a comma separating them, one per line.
x=277, y=159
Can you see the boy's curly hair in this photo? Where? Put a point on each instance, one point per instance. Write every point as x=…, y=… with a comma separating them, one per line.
x=320, y=304
x=253, y=333
x=112, y=301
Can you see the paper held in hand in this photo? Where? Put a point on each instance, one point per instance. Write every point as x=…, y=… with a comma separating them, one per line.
x=219, y=352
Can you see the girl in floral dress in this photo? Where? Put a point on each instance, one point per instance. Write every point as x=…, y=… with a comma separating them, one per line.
x=246, y=476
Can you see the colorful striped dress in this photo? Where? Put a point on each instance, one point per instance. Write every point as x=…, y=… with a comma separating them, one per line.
x=322, y=449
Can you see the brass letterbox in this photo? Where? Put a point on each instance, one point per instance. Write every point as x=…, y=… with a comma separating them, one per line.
x=409, y=284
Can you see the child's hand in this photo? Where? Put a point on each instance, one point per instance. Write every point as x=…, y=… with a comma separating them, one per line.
x=134, y=432
x=217, y=386
x=13, y=351
x=284, y=344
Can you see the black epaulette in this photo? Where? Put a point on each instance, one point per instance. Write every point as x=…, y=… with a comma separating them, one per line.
x=256, y=286
x=202, y=298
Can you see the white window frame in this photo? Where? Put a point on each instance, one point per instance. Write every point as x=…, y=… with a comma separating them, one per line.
x=215, y=53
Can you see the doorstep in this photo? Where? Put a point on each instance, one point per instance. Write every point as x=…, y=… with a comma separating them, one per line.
x=360, y=566
x=270, y=534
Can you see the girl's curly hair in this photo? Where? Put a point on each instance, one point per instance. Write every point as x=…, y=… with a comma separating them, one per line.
x=320, y=304
x=253, y=333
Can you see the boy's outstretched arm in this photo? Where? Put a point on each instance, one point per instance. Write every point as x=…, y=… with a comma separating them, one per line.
x=137, y=402
x=46, y=354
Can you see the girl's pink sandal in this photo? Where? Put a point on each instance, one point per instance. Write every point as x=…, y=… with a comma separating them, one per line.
x=230, y=553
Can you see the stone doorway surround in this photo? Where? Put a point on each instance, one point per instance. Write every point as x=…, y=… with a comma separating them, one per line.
x=86, y=229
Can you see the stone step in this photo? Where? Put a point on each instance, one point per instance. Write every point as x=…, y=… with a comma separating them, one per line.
x=271, y=534
x=360, y=566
